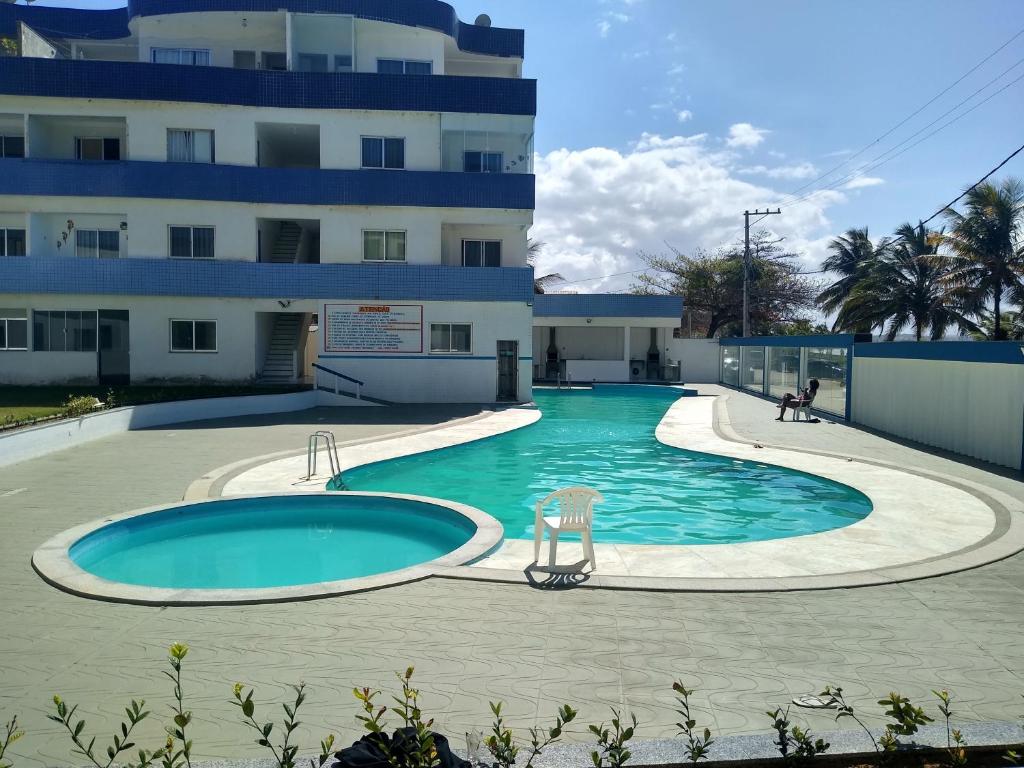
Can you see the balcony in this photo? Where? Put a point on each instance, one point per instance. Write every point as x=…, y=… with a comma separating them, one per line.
x=67, y=79
x=253, y=280
x=283, y=186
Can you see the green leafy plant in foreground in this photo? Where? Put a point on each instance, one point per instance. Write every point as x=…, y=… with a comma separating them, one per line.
x=11, y=735
x=501, y=743
x=611, y=742
x=422, y=753
x=697, y=743
x=284, y=752
x=81, y=405
x=906, y=719
x=956, y=746
x=796, y=745
x=169, y=755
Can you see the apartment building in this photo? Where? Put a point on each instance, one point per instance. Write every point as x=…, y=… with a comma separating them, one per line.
x=189, y=187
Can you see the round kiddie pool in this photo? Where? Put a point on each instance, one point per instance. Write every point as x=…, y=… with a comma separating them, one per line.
x=265, y=548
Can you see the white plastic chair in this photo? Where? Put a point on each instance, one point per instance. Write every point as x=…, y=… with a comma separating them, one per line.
x=805, y=409
x=575, y=514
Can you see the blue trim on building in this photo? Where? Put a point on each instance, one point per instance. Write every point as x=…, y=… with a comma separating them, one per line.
x=826, y=341
x=113, y=24
x=424, y=356
x=606, y=305
x=248, y=184
x=66, y=79
x=1006, y=352
x=252, y=280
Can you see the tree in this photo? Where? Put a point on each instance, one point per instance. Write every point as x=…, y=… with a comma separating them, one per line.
x=711, y=285
x=544, y=282
x=907, y=283
x=1012, y=324
x=988, y=255
x=852, y=257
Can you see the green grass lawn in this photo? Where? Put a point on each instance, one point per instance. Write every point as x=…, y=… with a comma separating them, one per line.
x=22, y=405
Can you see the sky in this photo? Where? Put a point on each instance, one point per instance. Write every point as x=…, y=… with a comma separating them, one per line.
x=660, y=121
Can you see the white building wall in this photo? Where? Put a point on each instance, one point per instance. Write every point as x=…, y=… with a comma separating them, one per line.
x=222, y=33
x=698, y=359
x=380, y=40
x=976, y=409
x=236, y=225
x=426, y=377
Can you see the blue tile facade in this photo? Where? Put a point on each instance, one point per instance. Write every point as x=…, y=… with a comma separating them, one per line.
x=252, y=280
x=1004, y=352
x=244, y=184
x=606, y=305
x=66, y=79
x=112, y=24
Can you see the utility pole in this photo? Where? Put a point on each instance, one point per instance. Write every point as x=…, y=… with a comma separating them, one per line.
x=746, y=263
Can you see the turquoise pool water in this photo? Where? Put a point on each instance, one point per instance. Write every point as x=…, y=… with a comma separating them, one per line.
x=276, y=541
x=654, y=494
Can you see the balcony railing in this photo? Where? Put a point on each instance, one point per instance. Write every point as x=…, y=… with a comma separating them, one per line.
x=254, y=280
x=70, y=79
x=247, y=184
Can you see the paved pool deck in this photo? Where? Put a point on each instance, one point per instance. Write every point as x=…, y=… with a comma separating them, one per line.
x=472, y=642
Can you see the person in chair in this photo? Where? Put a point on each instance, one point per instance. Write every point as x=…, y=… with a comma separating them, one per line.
x=798, y=401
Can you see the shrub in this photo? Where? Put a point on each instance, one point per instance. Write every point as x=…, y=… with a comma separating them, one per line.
x=611, y=743
x=697, y=743
x=80, y=406
x=12, y=735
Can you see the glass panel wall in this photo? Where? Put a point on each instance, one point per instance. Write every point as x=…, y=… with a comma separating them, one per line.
x=783, y=370
x=828, y=366
x=731, y=365
x=752, y=368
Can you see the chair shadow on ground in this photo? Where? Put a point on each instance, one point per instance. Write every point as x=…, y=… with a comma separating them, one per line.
x=557, y=577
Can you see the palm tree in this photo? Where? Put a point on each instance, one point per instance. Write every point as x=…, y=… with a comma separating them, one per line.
x=544, y=282
x=908, y=285
x=1012, y=324
x=853, y=257
x=988, y=260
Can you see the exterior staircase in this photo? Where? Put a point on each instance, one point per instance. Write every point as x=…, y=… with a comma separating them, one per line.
x=286, y=246
x=279, y=364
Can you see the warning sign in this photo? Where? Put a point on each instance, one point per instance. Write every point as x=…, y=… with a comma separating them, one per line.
x=382, y=328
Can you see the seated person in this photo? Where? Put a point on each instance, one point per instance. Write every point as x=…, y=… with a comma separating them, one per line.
x=798, y=401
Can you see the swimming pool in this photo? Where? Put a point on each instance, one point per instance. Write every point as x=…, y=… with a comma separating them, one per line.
x=655, y=494
x=272, y=541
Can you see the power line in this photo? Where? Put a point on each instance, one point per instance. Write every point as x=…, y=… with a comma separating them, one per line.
x=909, y=117
x=882, y=159
x=952, y=202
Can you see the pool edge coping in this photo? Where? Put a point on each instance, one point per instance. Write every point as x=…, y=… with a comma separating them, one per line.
x=1005, y=540
x=52, y=561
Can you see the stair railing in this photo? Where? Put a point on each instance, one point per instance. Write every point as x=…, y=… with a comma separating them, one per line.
x=338, y=377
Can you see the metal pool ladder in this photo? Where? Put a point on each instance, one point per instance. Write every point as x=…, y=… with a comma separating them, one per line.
x=332, y=453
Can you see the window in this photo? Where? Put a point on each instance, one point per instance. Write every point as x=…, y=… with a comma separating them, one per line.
x=312, y=62
x=194, y=56
x=191, y=242
x=483, y=162
x=342, y=63
x=383, y=246
x=97, y=149
x=98, y=243
x=481, y=253
x=404, y=67
x=193, y=335
x=454, y=338
x=276, y=62
x=12, y=242
x=62, y=331
x=12, y=146
x=13, y=329
x=244, y=60
x=188, y=146
x=383, y=153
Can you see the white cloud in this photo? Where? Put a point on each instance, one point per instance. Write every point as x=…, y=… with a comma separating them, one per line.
x=597, y=207
x=608, y=20
x=860, y=182
x=838, y=153
x=684, y=115
x=802, y=170
x=745, y=135
x=604, y=27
